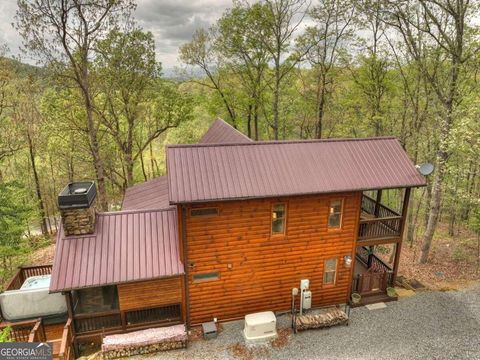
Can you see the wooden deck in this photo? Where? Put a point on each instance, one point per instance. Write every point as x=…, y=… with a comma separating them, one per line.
x=34, y=330
x=378, y=223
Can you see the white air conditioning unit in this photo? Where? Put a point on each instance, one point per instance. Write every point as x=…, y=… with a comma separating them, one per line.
x=260, y=326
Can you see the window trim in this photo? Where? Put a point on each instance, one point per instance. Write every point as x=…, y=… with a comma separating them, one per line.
x=215, y=275
x=284, y=203
x=335, y=272
x=342, y=203
x=217, y=210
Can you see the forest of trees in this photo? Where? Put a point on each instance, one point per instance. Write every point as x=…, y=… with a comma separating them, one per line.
x=98, y=107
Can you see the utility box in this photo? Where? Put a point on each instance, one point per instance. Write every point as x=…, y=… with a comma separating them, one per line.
x=307, y=299
x=209, y=330
x=260, y=326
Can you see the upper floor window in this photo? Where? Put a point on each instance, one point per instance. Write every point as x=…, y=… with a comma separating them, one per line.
x=330, y=271
x=335, y=214
x=203, y=212
x=278, y=218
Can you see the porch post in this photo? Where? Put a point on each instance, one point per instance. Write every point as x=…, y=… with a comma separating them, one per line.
x=398, y=246
x=377, y=202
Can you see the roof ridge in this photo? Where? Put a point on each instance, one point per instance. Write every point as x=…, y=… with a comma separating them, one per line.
x=135, y=211
x=276, y=142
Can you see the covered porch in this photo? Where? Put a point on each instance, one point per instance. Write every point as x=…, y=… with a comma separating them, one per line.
x=371, y=277
x=379, y=225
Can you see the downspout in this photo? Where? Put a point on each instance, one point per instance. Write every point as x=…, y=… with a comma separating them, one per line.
x=186, y=266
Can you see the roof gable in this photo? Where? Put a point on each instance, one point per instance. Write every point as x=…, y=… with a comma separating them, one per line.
x=223, y=133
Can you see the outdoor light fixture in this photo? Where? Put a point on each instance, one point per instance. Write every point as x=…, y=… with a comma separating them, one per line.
x=348, y=260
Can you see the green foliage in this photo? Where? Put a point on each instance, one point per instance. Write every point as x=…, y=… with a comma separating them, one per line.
x=14, y=217
x=5, y=334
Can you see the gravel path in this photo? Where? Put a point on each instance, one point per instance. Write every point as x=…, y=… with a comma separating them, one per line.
x=429, y=325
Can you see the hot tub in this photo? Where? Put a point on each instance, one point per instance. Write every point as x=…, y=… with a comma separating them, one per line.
x=32, y=300
x=36, y=282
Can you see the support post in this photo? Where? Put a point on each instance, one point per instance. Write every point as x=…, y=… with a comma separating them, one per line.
x=378, y=201
x=398, y=246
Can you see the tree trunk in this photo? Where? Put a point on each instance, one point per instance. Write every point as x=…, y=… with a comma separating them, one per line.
x=436, y=194
x=276, y=98
x=142, y=163
x=41, y=205
x=321, y=106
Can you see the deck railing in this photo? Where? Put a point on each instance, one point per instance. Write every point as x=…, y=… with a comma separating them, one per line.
x=384, y=222
x=24, y=272
x=26, y=331
x=66, y=346
x=377, y=279
x=117, y=321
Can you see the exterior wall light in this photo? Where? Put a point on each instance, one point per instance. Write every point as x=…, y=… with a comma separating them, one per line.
x=348, y=260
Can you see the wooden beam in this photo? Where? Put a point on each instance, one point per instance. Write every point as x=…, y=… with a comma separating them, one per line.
x=378, y=202
x=398, y=246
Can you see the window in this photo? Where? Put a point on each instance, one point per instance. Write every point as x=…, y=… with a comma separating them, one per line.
x=278, y=219
x=330, y=271
x=97, y=299
x=204, y=212
x=335, y=214
x=214, y=275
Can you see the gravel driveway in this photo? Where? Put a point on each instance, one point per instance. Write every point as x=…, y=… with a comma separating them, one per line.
x=429, y=325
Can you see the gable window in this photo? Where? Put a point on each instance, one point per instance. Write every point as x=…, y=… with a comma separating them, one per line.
x=330, y=271
x=214, y=275
x=201, y=212
x=335, y=214
x=278, y=218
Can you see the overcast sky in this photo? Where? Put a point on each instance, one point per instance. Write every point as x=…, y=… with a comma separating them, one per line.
x=172, y=23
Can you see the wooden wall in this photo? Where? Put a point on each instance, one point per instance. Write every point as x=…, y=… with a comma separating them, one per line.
x=258, y=270
x=150, y=293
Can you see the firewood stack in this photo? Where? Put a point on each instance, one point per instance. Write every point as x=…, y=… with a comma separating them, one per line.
x=316, y=321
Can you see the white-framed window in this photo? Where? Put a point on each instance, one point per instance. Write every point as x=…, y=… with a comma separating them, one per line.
x=335, y=214
x=330, y=271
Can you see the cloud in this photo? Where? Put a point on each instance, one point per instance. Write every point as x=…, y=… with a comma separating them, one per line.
x=172, y=22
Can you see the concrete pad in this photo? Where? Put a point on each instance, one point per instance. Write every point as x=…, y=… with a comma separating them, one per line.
x=376, y=306
x=404, y=292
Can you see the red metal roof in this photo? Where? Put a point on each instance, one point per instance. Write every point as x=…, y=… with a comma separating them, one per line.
x=220, y=133
x=126, y=246
x=198, y=173
x=151, y=194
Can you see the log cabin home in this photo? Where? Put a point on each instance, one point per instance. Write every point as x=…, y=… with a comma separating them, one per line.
x=230, y=230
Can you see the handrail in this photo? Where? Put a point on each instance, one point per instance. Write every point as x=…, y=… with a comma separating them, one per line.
x=96, y=314
x=24, y=272
x=65, y=352
x=364, y=221
x=26, y=331
x=386, y=208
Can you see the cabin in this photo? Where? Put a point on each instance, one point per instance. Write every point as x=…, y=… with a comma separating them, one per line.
x=230, y=230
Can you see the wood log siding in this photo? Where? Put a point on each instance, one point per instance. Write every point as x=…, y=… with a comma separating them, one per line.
x=150, y=293
x=257, y=269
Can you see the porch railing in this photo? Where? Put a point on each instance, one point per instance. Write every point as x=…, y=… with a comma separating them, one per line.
x=116, y=320
x=24, y=272
x=384, y=222
x=66, y=346
x=26, y=331
x=377, y=279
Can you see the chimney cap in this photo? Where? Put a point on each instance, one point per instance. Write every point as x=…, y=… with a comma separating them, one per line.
x=77, y=195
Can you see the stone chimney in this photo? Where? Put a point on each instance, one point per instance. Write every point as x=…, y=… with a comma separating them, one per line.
x=77, y=208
